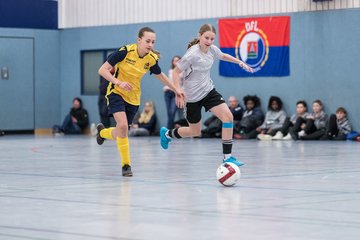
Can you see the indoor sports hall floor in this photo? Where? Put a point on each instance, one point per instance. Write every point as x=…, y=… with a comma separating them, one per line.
x=71, y=188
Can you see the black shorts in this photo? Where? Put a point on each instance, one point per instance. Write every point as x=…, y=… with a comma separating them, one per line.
x=117, y=104
x=192, y=111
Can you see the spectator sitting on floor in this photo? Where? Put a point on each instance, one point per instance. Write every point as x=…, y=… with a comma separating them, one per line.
x=274, y=119
x=214, y=125
x=292, y=123
x=251, y=118
x=338, y=126
x=315, y=124
x=145, y=124
x=235, y=108
x=75, y=122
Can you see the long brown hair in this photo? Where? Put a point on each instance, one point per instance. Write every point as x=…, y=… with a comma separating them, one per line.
x=204, y=28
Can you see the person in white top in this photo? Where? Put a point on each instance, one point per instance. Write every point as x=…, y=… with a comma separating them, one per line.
x=200, y=92
x=169, y=96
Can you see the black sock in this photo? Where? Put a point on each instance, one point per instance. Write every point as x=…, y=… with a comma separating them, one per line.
x=173, y=133
x=227, y=146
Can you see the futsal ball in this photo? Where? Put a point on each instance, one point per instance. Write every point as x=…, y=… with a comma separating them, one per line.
x=228, y=174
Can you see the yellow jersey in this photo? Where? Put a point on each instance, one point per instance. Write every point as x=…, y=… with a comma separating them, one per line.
x=129, y=67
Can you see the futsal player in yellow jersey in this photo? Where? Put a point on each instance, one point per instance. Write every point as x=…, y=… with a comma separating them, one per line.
x=131, y=63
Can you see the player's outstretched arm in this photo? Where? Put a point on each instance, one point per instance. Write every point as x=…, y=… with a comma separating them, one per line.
x=229, y=58
x=175, y=87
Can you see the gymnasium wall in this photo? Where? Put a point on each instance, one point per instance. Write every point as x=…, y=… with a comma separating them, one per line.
x=323, y=65
x=42, y=81
x=85, y=13
x=323, y=62
x=30, y=97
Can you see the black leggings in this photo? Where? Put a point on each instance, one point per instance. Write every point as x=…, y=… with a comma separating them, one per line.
x=312, y=133
x=332, y=131
x=286, y=126
x=309, y=125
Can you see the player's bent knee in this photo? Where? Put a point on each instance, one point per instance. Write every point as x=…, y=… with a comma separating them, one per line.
x=228, y=118
x=122, y=127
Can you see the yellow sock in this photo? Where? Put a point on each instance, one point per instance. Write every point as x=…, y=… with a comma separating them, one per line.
x=124, y=149
x=107, y=133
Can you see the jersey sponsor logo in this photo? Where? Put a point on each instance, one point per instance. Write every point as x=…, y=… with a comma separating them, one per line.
x=130, y=61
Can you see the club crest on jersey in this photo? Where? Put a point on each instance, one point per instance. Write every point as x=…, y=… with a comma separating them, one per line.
x=252, y=46
x=147, y=66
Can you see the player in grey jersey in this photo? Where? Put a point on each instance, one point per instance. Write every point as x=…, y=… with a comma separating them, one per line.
x=200, y=92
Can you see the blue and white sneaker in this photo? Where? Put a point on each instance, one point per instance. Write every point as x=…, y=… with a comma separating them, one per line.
x=164, y=141
x=234, y=161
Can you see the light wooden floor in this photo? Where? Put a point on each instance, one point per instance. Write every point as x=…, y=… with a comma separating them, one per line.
x=71, y=188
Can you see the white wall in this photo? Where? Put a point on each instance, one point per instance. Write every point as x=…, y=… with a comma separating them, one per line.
x=85, y=13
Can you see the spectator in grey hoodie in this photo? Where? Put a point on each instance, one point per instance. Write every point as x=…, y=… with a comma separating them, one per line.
x=314, y=125
x=338, y=126
x=274, y=120
x=301, y=112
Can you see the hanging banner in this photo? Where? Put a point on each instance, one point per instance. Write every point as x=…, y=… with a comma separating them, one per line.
x=262, y=43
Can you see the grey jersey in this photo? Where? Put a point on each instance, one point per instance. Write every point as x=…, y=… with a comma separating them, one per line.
x=196, y=66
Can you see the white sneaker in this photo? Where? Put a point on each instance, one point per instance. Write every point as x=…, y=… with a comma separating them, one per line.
x=302, y=133
x=264, y=137
x=260, y=136
x=278, y=136
x=93, y=130
x=287, y=137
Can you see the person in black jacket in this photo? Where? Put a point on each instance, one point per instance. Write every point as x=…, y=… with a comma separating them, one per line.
x=102, y=103
x=105, y=116
x=75, y=122
x=252, y=117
